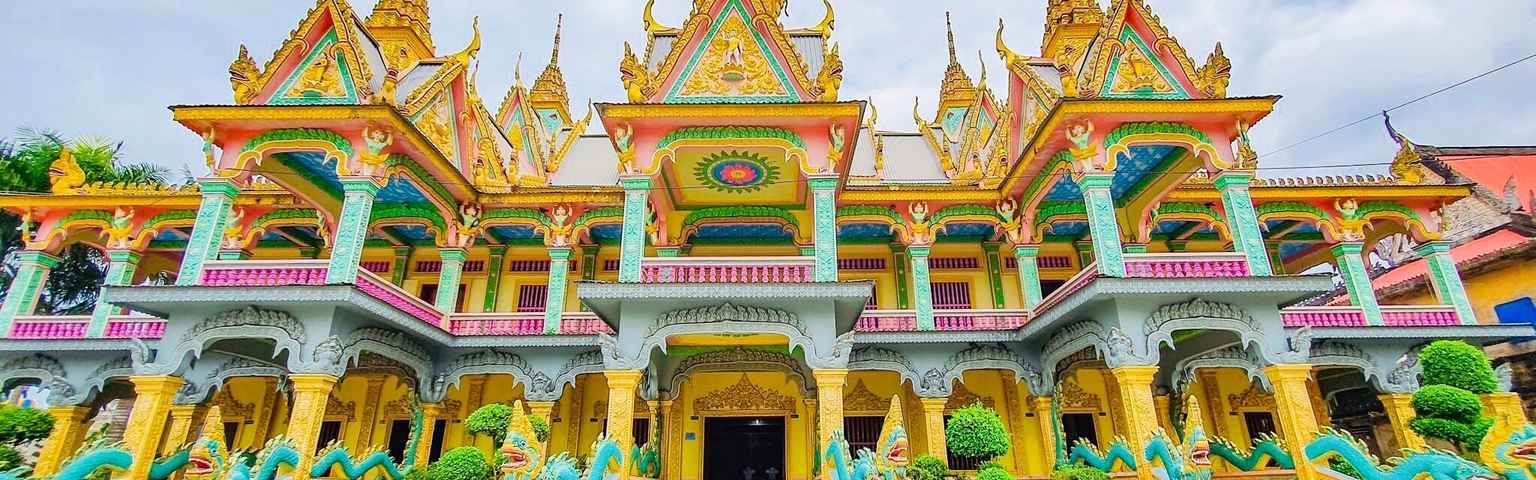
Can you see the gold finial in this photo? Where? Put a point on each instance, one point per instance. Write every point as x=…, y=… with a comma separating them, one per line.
x=1009, y=57
x=825, y=27
x=244, y=76
x=407, y=15
x=982, y=82
x=874, y=115
x=949, y=32
x=517, y=70
x=957, y=86
x=474, y=44
x=554, y=54
x=550, y=86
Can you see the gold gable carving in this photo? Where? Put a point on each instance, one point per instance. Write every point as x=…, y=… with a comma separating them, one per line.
x=398, y=408
x=732, y=64
x=1251, y=399
x=964, y=397
x=1136, y=72
x=230, y=407
x=861, y=401
x=1072, y=395
x=744, y=397
x=321, y=78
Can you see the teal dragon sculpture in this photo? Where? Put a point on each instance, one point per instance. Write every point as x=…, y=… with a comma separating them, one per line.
x=1188, y=458
x=1414, y=464
x=889, y=462
x=521, y=453
x=647, y=458
x=336, y=457
x=1265, y=447
x=97, y=455
x=1510, y=450
x=606, y=456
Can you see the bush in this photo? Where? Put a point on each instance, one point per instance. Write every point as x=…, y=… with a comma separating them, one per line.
x=1339, y=465
x=1458, y=364
x=993, y=471
x=463, y=463
x=9, y=458
x=540, y=427
x=976, y=432
x=490, y=420
x=21, y=425
x=1448, y=402
x=927, y=467
x=1078, y=472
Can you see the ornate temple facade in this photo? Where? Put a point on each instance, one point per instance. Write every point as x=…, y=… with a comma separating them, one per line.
x=733, y=239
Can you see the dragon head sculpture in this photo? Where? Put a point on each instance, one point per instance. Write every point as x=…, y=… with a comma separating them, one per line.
x=206, y=460
x=893, y=446
x=520, y=448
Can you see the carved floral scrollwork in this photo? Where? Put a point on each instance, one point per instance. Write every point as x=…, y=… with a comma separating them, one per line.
x=1254, y=398
x=1071, y=395
x=724, y=313
x=744, y=397
x=859, y=400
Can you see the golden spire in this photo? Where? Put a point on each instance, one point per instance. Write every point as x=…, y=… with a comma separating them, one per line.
x=549, y=89
x=957, y=86
x=213, y=425
x=1070, y=23
x=402, y=26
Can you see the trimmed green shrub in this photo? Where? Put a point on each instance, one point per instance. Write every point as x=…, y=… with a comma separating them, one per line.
x=993, y=471
x=21, y=425
x=976, y=431
x=1448, y=402
x=463, y=463
x=9, y=458
x=1078, y=472
x=540, y=427
x=1458, y=364
x=927, y=467
x=490, y=420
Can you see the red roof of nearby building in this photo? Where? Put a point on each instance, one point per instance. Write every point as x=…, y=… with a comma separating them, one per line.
x=1495, y=171
x=1464, y=253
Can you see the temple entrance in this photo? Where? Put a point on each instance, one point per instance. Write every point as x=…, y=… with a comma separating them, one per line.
x=744, y=448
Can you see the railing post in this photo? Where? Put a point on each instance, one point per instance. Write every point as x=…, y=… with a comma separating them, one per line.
x=1242, y=221
x=1027, y=258
x=402, y=262
x=922, y=290
x=554, y=301
x=637, y=189
x=32, y=267
x=824, y=208
x=351, y=229
x=899, y=264
x=995, y=273
x=208, y=229
x=494, y=267
x=1102, y=224
x=1446, y=280
x=448, y=278
x=120, y=267
x=1357, y=281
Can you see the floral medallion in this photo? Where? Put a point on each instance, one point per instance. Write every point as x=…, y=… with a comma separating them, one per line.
x=736, y=171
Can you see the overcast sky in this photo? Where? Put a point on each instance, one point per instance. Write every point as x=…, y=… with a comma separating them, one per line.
x=110, y=68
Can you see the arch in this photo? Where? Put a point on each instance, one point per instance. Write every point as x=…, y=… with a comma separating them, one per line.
x=391, y=344
x=244, y=323
x=594, y=218
x=728, y=318
x=735, y=360
x=737, y=136
x=233, y=368
x=1400, y=216
x=992, y=357
x=740, y=214
x=1181, y=211
x=964, y=213
x=1300, y=212
x=1122, y=138
x=885, y=359
x=335, y=147
x=42, y=367
x=1201, y=314
x=489, y=361
x=1231, y=356
x=399, y=166
x=1049, y=213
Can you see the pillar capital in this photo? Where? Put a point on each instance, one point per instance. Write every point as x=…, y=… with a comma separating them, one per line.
x=1026, y=249
x=1233, y=179
x=38, y=257
x=1347, y=248
x=154, y=384
x=1430, y=248
x=919, y=250
x=365, y=185
x=312, y=382
x=623, y=378
x=453, y=253
x=1138, y=374
x=830, y=376
x=1094, y=179
x=220, y=186
x=934, y=403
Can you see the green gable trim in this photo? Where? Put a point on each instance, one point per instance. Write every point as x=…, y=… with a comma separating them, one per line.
x=740, y=214
x=80, y=215
x=600, y=215
x=870, y=211
x=969, y=209
x=319, y=134
x=285, y=214
x=432, y=183
x=1129, y=36
x=727, y=133
x=1171, y=208
x=1146, y=128
x=170, y=216
x=1273, y=208
x=408, y=211
x=1048, y=211
x=278, y=97
x=733, y=7
x=1375, y=206
x=525, y=213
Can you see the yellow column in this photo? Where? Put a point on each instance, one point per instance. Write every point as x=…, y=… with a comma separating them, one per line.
x=310, y=392
x=68, y=429
x=829, y=402
x=1298, y=424
x=1399, y=409
x=430, y=412
x=665, y=427
x=621, y=411
x=1138, y=410
x=151, y=404
x=1044, y=416
x=933, y=417
x=180, y=427
x=1505, y=408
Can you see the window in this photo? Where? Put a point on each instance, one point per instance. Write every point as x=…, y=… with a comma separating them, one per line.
x=231, y=432
x=530, y=298
x=427, y=292
x=874, y=300
x=1050, y=286
x=1079, y=426
x=862, y=432
x=951, y=295
x=641, y=431
x=1259, y=423
x=439, y=429
x=329, y=432
x=1518, y=311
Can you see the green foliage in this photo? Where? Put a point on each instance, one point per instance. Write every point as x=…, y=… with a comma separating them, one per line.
x=21, y=425
x=927, y=467
x=1458, y=364
x=976, y=432
x=540, y=427
x=1078, y=472
x=1343, y=467
x=490, y=420
x=1447, y=406
x=993, y=471
x=9, y=458
x=463, y=463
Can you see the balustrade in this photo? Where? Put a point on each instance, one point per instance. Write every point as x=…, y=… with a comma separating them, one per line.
x=135, y=327
x=253, y=273
x=38, y=327
x=386, y=292
x=583, y=323
x=513, y=323
x=1077, y=282
x=727, y=269
x=1186, y=265
x=1323, y=317
x=943, y=320
x=1419, y=315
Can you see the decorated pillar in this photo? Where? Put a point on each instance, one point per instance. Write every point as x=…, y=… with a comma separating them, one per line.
x=1102, y=225
x=1045, y=416
x=829, y=402
x=351, y=229
x=178, y=429
x=448, y=278
x=493, y=277
x=310, y=392
x=933, y=420
x=824, y=208
x=146, y=423
x=994, y=272
x=1399, y=407
x=1357, y=280
x=430, y=412
x=621, y=409
x=1028, y=259
x=1293, y=411
x=32, y=268
x=1505, y=408
x=1242, y=221
x=541, y=408
x=1134, y=385
x=637, y=189
x=120, y=267
x=554, y=300
x=208, y=230
x=922, y=289
x=899, y=264
x=1446, y=280
x=1276, y=262
x=68, y=430
x=402, y=262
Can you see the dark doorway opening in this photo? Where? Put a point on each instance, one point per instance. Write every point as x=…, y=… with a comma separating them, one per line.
x=745, y=448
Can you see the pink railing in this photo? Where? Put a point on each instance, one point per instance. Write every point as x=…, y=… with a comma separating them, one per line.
x=388, y=293
x=1419, y=315
x=135, y=327
x=496, y=323
x=1323, y=316
x=1077, y=282
x=583, y=323
x=251, y=273
x=726, y=269
x=887, y=321
x=1186, y=265
x=48, y=327
x=979, y=320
